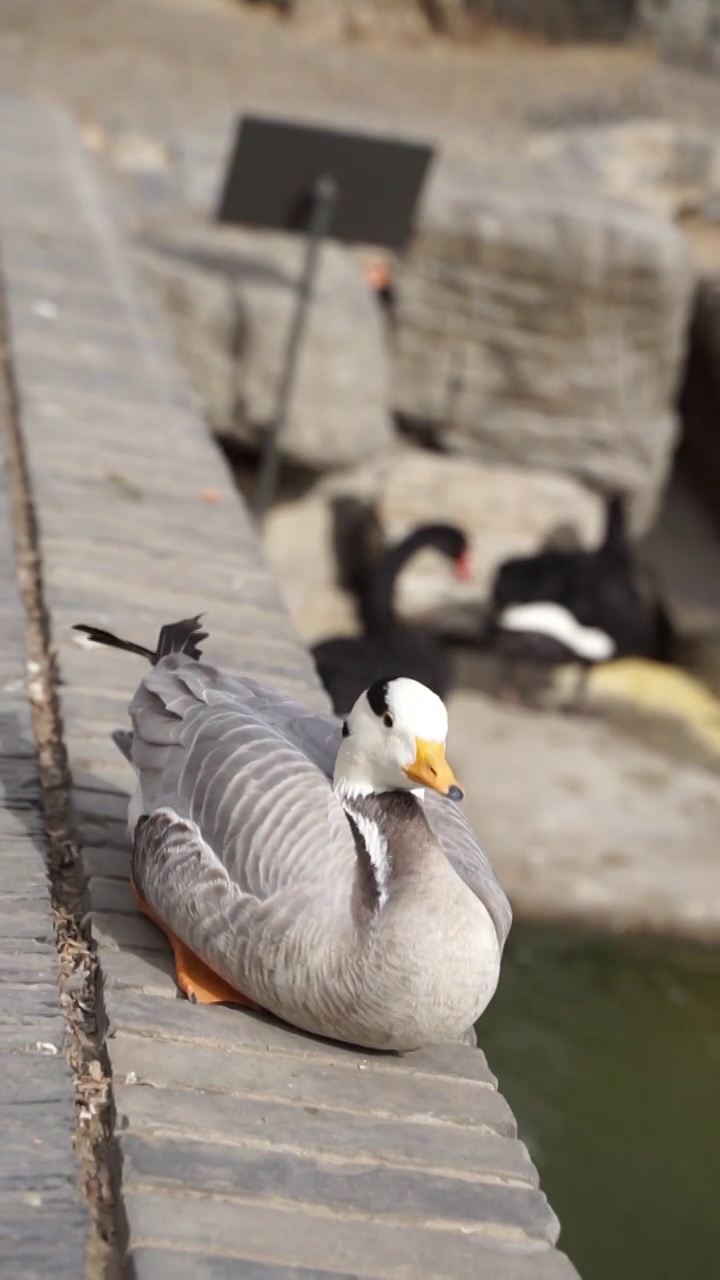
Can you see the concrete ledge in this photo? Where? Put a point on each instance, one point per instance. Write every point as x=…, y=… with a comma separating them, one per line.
x=43, y=1220
x=255, y=1150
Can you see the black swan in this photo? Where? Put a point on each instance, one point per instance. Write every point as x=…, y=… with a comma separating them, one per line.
x=388, y=647
x=574, y=606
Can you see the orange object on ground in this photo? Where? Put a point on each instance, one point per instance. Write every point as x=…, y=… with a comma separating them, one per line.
x=195, y=979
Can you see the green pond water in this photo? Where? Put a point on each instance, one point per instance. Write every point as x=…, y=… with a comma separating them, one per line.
x=609, y=1055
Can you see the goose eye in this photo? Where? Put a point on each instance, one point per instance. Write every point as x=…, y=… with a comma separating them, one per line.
x=388, y=720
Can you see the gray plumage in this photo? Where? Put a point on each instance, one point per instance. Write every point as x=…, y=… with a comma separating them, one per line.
x=376, y=920
x=123, y=740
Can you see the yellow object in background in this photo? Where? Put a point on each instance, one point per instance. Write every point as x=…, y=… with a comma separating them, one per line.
x=664, y=690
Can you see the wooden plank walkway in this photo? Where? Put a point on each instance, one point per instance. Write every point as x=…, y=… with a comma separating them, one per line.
x=246, y=1149
x=43, y=1220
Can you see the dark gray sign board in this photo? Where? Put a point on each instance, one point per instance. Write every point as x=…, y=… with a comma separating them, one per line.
x=276, y=163
x=354, y=187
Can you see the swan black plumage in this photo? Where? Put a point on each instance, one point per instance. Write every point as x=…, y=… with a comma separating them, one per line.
x=574, y=606
x=388, y=647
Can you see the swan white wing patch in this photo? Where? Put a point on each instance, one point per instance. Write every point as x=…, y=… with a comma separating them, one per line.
x=554, y=620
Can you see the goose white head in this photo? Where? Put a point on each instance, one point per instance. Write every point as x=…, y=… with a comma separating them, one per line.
x=394, y=740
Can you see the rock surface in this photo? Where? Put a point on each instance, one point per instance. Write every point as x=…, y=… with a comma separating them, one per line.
x=593, y=834
x=402, y=19
x=654, y=163
x=701, y=399
x=229, y=294
x=558, y=20
x=297, y=541
x=544, y=326
x=687, y=31
x=449, y=17
x=505, y=512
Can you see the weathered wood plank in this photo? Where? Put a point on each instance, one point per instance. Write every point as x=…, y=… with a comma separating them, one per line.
x=286, y=1126
x=313, y=1083
x=285, y=1237
x=239, y=1029
x=43, y=1221
x=311, y=1181
x=170, y=1264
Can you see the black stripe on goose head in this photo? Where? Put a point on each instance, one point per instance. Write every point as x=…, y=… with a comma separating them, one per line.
x=377, y=697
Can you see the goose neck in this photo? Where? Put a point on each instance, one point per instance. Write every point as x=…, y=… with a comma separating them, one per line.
x=390, y=832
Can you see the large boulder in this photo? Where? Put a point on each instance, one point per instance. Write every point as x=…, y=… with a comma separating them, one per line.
x=540, y=324
x=669, y=168
x=556, y=20
x=229, y=294
x=686, y=31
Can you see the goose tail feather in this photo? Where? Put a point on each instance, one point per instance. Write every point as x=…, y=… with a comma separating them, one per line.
x=184, y=636
x=123, y=740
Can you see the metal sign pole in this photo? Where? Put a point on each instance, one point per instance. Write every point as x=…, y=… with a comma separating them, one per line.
x=324, y=200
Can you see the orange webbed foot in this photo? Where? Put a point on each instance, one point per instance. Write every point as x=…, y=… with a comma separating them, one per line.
x=195, y=979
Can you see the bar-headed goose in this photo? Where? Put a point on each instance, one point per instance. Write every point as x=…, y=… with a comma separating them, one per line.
x=301, y=865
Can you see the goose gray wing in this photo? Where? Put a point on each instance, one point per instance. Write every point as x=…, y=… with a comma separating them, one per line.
x=464, y=851
x=241, y=763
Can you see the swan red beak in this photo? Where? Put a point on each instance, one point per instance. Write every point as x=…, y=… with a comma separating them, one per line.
x=463, y=566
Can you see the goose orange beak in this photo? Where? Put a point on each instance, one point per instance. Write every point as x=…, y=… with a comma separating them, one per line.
x=431, y=769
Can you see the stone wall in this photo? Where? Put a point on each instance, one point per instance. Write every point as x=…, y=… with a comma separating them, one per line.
x=399, y=19
x=545, y=327
x=561, y=19
x=230, y=293
x=685, y=30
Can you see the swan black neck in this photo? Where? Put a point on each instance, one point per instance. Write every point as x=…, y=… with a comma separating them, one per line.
x=376, y=596
x=615, y=544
